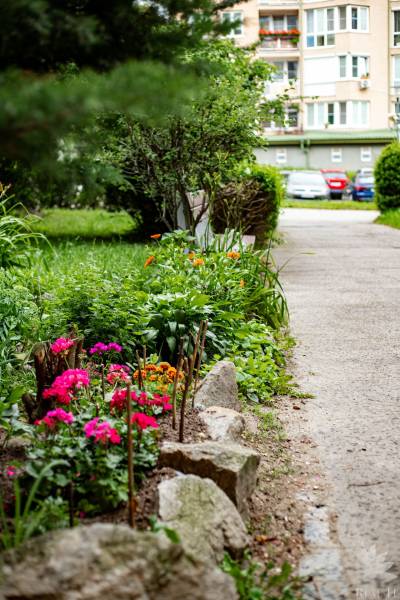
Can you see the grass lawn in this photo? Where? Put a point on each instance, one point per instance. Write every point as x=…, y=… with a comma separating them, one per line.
x=83, y=223
x=390, y=218
x=329, y=204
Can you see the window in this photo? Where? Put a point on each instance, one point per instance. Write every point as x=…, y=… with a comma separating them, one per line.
x=278, y=74
x=331, y=113
x=396, y=71
x=316, y=115
x=291, y=22
x=292, y=69
x=279, y=23
x=281, y=156
x=336, y=155
x=359, y=113
x=342, y=67
x=396, y=28
x=366, y=154
x=234, y=16
x=359, y=18
x=292, y=116
x=342, y=17
x=342, y=113
x=320, y=27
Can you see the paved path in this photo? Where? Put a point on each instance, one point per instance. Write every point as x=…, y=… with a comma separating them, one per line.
x=343, y=287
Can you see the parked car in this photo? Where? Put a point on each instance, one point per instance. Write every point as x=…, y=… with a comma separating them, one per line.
x=337, y=181
x=363, y=187
x=307, y=184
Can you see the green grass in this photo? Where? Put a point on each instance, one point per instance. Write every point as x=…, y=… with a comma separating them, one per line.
x=63, y=223
x=390, y=218
x=329, y=204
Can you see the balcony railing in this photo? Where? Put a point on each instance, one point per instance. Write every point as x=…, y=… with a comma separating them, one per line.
x=279, y=40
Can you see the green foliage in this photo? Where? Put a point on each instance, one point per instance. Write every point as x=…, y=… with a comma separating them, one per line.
x=262, y=582
x=391, y=218
x=16, y=236
x=165, y=165
x=30, y=517
x=271, y=184
x=61, y=223
x=329, y=204
x=387, y=178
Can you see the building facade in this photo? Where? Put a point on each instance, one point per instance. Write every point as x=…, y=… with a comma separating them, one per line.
x=340, y=63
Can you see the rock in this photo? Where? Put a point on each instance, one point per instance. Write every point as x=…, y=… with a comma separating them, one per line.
x=223, y=424
x=219, y=387
x=206, y=520
x=108, y=561
x=231, y=466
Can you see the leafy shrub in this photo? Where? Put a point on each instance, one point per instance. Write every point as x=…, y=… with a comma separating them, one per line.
x=249, y=203
x=387, y=177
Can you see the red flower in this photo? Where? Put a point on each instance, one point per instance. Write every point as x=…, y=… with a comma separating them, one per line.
x=143, y=421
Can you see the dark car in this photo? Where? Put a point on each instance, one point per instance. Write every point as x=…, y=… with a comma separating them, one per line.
x=362, y=188
x=337, y=181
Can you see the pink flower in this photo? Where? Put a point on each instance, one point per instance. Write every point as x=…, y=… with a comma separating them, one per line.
x=118, y=374
x=101, y=348
x=102, y=432
x=65, y=384
x=143, y=421
x=11, y=471
x=118, y=400
x=61, y=344
x=53, y=417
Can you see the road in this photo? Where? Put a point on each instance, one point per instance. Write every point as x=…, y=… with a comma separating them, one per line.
x=342, y=281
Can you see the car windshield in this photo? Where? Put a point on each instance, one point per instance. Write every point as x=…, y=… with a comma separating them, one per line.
x=306, y=179
x=366, y=180
x=336, y=175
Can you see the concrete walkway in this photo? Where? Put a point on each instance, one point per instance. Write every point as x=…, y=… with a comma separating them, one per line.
x=342, y=281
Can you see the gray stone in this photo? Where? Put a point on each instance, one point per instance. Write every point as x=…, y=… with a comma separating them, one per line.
x=109, y=561
x=231, y=466
x=207, y=521
x=219, y=387
x=223, y=424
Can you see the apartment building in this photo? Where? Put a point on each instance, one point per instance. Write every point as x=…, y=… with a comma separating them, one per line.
x=340, y=62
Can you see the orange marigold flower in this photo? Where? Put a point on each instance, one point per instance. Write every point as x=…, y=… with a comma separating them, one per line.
x=151, y=367
x=136, y=374
x=233, y=254
x=153, y=377
x=164, y=366
x=149, y=261
x=191, y=255
x=197, y=262
x=241, y=283
x=155, y=236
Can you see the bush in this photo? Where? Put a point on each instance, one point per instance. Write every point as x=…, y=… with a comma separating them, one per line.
x=387, y=176
x=250, y=203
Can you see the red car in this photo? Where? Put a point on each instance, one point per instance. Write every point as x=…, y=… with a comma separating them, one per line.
x=337, y=182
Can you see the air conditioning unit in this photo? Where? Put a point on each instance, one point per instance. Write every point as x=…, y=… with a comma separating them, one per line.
x=364, y=84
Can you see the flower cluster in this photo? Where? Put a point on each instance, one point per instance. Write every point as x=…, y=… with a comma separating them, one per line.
x=54, y=417
x=143, y=421
x=118, y=374
x=64, y=385
x=61, y=345
x=101, y=431
x=233, y=255
x=101, y=348
x=162, y=373
x=118, y=400
x=279, y=33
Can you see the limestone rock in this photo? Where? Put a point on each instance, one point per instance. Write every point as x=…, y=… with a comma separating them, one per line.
x=108, y=561
x=231, y=466
x=219, y=387
x=207, y=521
x=223, y=424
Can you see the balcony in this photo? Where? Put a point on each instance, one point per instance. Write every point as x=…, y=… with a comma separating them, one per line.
x=279, y=42
x=279, y=4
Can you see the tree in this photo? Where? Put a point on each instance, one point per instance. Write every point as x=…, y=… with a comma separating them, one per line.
x=166, y=165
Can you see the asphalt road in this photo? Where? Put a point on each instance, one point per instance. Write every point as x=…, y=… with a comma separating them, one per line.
x=342, y=281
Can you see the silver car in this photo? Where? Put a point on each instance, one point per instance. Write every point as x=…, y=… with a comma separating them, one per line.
x=307, y=185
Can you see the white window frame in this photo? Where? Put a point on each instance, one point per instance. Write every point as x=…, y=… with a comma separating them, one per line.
x=359, y=108
x=281, y=156
x=350, y=9
x=363, y=66
x=396, y=81
x=366, y=154
x=285, y=71
x=356, y=113
x=395, y=33
x=233, y=15
x=271, y=26
x=317, y=31
x=336, y=155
